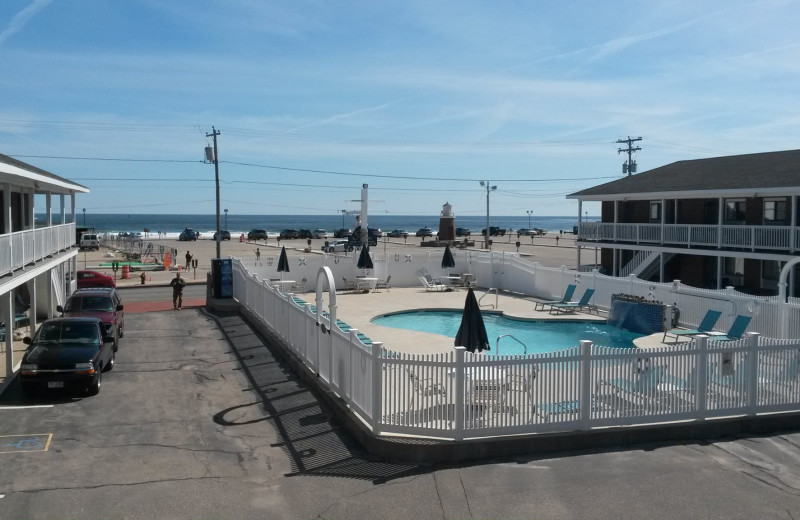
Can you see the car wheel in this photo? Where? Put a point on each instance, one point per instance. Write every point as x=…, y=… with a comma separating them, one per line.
x=350, y=249
x=110, y=366
x=94, y=389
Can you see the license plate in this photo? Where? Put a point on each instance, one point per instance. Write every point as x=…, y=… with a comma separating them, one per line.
x=55, y=384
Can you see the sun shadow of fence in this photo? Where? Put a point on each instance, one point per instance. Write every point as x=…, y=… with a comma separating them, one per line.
x=309, y=435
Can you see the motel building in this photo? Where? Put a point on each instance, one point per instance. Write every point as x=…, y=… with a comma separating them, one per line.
x=711, y=223
x=38, y=251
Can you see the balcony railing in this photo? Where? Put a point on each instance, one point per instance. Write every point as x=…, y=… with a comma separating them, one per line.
x=774, y=238
x=26, y=247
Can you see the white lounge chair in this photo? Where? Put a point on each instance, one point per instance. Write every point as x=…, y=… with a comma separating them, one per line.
x=432, y=286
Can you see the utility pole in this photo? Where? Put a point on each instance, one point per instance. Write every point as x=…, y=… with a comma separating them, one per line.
x=630, y=166
x=214, y=133
x=489, y=189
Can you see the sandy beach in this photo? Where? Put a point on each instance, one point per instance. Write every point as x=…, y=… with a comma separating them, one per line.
x=543, y=249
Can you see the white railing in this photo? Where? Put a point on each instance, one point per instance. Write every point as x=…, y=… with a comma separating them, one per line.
x=460, y=395
x=21, y=248
x=777, y=238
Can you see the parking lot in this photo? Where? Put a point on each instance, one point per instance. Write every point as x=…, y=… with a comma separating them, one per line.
x=199, y=419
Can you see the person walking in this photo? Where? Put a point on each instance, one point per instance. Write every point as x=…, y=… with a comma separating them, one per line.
x=188, y=259
x=258, y=254
x=177, y=285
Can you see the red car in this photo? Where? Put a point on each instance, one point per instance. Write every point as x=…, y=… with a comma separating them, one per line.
x=94, y=279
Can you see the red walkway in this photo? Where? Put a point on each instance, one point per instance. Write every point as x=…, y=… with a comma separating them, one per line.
x=161, y=305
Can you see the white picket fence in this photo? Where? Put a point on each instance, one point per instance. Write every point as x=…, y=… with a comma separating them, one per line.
x=460, y=395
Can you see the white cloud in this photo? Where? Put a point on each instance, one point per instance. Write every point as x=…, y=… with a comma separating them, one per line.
x=21, y=19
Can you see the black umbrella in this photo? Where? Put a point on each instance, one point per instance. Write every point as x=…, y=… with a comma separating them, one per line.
x=283, y=262
x=448, y=262
x=472, y=332
x=364, y=260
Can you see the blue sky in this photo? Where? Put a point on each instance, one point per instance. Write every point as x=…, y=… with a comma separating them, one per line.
x=418, y=99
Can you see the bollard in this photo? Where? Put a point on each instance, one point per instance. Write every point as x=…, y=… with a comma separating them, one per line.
x=142, y=276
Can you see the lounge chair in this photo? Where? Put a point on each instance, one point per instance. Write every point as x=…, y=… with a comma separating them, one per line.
x=424, y=388
x=383, y=284
x=349, y=285
x=637, y=394
x=706, y=326
x=575, y=306
x=736, y=331
x=432, y=286
x=566, y=298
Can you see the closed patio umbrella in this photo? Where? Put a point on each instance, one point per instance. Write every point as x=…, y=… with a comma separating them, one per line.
x=448, y=262
x=472, y=332
x=283, y=262
x=364, y=260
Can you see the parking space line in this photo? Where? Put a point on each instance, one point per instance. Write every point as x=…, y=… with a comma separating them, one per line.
x=24, y=407
x=27, y=442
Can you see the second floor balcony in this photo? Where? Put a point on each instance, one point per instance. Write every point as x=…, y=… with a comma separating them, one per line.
x=784, y=239
x=21, y=248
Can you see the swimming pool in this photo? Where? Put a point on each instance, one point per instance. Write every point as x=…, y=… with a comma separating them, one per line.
x=538, y=336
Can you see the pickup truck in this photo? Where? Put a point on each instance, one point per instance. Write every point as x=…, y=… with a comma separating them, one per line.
x=494, y=231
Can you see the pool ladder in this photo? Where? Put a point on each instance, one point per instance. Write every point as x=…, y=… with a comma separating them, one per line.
x=487, y=293
x=497, y=344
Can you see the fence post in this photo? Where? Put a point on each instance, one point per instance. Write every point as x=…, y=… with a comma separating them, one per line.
x=307, y=318
x=349, y=372
x=458, y=431
x=586, y=384
x=288, y=309
x=701, y=378
x=377, y=388
x=752, y=372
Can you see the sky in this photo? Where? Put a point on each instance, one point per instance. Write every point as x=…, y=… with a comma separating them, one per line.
x=419, y=99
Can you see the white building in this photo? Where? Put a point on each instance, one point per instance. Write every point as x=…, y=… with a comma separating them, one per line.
x=38, y=251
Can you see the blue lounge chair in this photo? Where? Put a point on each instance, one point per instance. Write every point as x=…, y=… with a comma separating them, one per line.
x=736, y=331
x=575, y=306
x=706, y=326
x=639, y=393
x=567, y=297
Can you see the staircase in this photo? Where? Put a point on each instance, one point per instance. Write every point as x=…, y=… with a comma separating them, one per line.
x=639, y=262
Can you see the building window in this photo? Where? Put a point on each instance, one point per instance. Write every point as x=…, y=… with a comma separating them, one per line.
x=776, y=211
x=770, y=270
x=655, y=212
x=735, y=211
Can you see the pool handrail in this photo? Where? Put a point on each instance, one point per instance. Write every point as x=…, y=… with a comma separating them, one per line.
x=497, y=344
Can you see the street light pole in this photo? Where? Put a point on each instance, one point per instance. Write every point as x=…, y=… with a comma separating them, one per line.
x=489, y=188
x=226, y=218
x=84, y=218
x=215, y=133
x=529, y=212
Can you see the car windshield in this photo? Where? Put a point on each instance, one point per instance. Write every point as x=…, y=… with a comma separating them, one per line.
x=68, y=334
x=90, y=303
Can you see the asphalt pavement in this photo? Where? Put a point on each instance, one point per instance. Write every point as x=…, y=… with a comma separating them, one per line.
x=201, y=419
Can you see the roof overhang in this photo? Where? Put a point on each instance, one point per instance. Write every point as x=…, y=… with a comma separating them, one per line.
x=699, y=194
x=18, y=176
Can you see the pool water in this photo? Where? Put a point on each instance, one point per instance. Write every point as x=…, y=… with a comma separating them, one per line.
x=538, y=336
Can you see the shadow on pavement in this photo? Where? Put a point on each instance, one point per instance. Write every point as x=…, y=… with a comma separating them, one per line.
x=313, y=442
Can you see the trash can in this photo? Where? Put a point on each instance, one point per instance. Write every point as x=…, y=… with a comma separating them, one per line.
x=222, y=274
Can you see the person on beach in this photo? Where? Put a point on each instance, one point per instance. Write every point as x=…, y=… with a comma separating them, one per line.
x=188, y=259
x=177, y=285
x=258, y=254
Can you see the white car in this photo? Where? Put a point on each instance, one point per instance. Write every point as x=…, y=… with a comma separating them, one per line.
x=338, y=246
x=320, y=233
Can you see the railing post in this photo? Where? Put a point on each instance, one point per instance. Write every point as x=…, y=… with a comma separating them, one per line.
x=307, y=318
x=349, y=372
x=752, y=372
x=377, y=388
x=585, y=385
x=458, y=429
x=701, y=378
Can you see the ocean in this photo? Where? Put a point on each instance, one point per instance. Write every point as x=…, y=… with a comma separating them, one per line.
x=237, y=224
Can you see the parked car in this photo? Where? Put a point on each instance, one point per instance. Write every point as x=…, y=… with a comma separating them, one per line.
x=372, y=237
x=257, y=234
x=89, y=241
x=188, y=234
x=224, y=234
x=424, y=232
x=320, y=233
x=289, y=233
x=462, y=232
x=94, y=279
x=338, y=246
x=98, y=302
x=305, y=233
x=397, y=233
x=525, y=232
x=342, y=233
x=494, y=231
x=67, y=353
